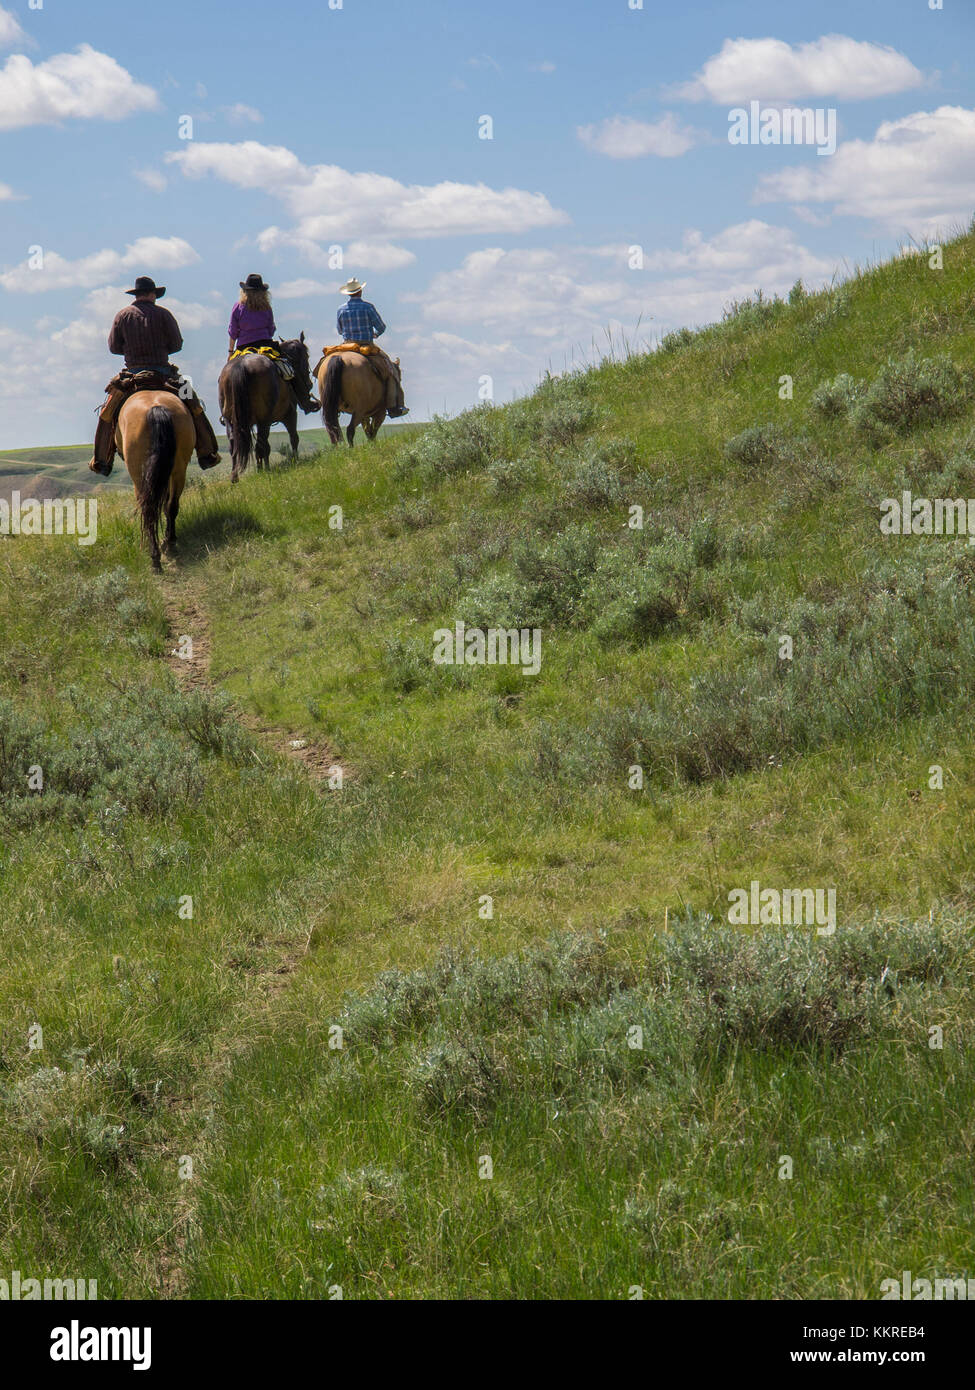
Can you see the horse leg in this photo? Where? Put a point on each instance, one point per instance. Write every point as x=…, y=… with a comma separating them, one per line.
x=374, y=422
x=290, y=422
x=350, y=432
x=263, y=446
x=234, y=456
x=172, y=512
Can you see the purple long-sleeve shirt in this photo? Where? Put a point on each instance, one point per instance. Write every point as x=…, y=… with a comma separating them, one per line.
x=250, y=325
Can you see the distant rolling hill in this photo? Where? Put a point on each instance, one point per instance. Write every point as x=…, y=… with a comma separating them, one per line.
x=63, y=470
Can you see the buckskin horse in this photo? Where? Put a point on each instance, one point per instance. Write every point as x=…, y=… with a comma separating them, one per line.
x=254, y=394
x=156, y=436
x=348, y=382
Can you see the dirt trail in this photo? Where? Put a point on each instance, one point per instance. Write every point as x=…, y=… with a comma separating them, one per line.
x=189, y=660
x=190, y=663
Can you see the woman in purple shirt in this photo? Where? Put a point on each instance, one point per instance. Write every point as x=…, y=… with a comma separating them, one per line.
x=252, y=322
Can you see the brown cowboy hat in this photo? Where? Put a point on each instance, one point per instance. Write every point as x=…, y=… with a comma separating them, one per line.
x=253, y=282
x=144, y=285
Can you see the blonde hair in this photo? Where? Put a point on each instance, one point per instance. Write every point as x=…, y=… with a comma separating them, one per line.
x=255, y=299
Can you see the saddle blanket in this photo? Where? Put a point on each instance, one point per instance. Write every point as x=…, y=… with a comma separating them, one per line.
x=280, y=361
x=367, y=349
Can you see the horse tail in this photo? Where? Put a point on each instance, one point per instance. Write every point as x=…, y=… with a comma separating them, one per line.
x=240, y=414
x=332, y=394
x=158, y=471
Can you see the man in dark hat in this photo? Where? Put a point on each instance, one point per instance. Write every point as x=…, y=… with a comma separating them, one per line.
x=145, y=334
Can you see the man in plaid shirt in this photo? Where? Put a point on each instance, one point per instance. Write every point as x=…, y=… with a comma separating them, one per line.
x=359, y=322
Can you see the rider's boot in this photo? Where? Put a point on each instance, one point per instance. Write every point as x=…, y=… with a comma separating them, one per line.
x=207, y=455
x=305, y=401
x=103, y=458
x=394, y=397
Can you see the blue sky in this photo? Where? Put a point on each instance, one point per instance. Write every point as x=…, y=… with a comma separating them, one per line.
x=357, y=127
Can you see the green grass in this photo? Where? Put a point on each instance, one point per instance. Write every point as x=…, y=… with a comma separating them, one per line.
x=166, y=1037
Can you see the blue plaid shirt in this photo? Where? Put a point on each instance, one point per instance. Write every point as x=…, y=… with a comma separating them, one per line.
x=359, y=322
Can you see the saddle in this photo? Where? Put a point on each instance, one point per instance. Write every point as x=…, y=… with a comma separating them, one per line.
x=278, y=358
x=127, y=382
x=378, y=360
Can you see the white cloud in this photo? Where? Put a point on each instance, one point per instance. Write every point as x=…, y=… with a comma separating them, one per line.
x=193, y=316
x=773, y=70
x=57, y=273
x=466, y=352
x=7, y=194
x=622, y=137
x=363, y=255
x=568, y=296
x=752, y=253
x=550, y=292
x=330, y=203
x=153, y=179
x=303, y=289
x=916, y=174
x=10, y=30
x=545, y=67
x=242, y=114
x=86, y=85
x=377, y=255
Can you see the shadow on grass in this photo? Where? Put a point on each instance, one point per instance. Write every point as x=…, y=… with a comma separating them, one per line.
x=215, y=525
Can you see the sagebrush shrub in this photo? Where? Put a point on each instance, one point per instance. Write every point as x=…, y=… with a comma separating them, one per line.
x=465, y=444
x=913, y=391
x=836, y=398
x=760, y=447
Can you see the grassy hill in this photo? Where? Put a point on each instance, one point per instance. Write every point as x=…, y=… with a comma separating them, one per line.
x=442, y=960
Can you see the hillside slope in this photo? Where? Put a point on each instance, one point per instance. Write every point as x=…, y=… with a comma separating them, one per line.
x=496, y=816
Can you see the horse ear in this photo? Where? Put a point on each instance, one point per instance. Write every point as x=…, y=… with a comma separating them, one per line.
x=302, y=338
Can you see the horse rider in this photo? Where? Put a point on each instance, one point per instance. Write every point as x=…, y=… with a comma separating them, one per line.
x=145, y=334
x=358, y=321
x=252, y=326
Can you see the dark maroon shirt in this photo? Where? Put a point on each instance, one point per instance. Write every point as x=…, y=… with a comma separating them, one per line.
x=144, y=334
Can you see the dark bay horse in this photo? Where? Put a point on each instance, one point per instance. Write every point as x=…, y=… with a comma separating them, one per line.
x=348, y=383
x=254, y=394
x=156, y=436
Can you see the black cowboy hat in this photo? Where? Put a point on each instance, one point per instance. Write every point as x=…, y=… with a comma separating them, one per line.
x=253, y=282
x=144, y=285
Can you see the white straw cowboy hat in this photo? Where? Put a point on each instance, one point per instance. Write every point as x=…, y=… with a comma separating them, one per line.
x=352, y=286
